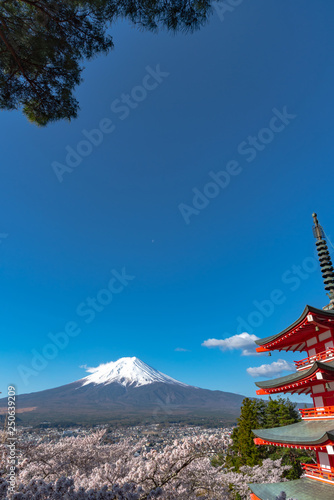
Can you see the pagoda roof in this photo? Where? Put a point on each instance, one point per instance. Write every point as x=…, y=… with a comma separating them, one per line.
x=297, y=376
x=304, y=433
x=296, y=332
x=302, y=489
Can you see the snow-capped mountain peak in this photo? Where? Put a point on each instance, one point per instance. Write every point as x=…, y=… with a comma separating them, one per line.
x=127, y=371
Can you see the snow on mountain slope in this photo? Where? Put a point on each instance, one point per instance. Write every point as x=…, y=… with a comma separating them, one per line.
x=127, y=371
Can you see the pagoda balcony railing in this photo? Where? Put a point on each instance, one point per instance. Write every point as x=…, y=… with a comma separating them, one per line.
x=327, y=355
x=318, y=472
x=314, y=413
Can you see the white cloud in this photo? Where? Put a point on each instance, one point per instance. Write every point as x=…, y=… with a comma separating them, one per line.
x=271, y=370
x=88, y=369
x=244, y=341
x=180, y=349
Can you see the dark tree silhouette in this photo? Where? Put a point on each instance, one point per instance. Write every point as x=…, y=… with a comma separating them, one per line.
x=43, y=44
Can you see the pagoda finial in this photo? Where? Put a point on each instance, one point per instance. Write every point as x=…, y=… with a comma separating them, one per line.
x=325, y=260
x=317, y=229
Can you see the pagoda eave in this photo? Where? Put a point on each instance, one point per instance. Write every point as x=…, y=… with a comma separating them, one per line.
x=299, y=387
x=306, y=433
x=262, y=349
x=316, y=447
x=300, y=381
x=302, y=489
x=295, y=336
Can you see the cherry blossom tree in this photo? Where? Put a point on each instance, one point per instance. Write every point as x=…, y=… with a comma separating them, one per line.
x=87, y=468
x=64, y=489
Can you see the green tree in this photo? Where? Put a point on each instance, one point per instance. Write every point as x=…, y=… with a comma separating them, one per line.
x=43, y=44
x=243, y=451
x=293, y=457
x=256, y=414
x=280, y=412
x=287, y=413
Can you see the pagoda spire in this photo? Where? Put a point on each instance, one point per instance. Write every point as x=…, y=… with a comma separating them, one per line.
x=326, y=265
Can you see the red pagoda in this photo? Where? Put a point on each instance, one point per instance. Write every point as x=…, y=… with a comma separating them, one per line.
x=312, y=332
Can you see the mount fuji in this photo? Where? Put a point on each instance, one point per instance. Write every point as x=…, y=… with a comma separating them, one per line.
x=127, y=372
x=128, y=391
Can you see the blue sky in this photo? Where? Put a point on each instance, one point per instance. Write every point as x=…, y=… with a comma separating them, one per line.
x=194, y=277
